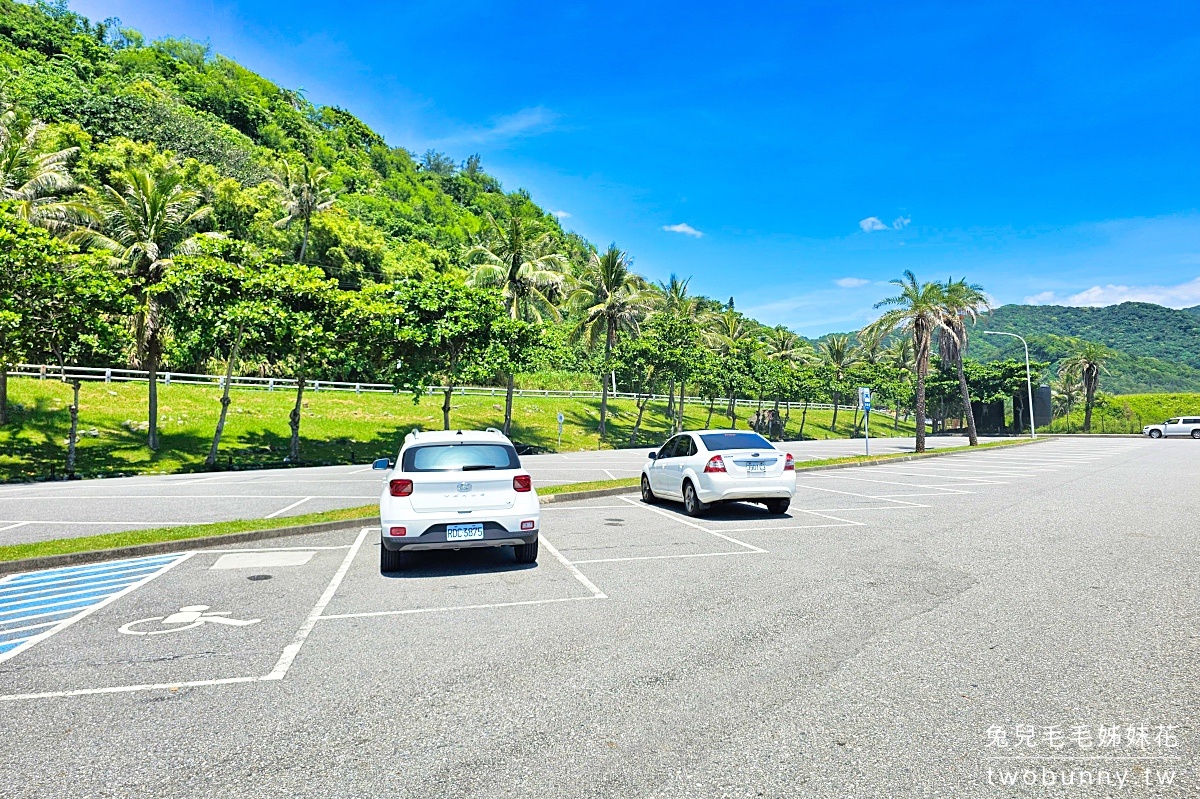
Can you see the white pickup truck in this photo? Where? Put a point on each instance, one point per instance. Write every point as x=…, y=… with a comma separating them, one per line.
x=1177, y=426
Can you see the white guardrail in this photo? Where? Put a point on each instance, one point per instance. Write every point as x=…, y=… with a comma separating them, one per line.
x=101, y=374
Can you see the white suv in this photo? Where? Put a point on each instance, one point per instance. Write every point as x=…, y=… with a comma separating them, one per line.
x=456, y=490
x=710, y=466
x=1179, y=426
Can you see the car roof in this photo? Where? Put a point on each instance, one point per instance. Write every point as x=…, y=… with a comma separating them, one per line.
x=489, y=436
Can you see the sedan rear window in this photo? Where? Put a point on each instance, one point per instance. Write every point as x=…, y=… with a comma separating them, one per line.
x=715, y=442
x=460, y=458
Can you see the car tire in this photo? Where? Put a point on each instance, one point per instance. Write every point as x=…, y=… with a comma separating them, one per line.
x=647, y=492
x=1196, y=434
x=1156, y=434
x=777, y=507
x=691, y=502
x=390, y=561
x=526, y=553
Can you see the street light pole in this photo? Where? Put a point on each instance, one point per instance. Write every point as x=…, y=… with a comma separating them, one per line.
x=1028, y=376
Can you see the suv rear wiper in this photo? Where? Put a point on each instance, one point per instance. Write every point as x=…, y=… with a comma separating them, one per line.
x=475, y=467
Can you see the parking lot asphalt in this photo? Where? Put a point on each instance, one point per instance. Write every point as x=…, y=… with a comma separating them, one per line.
x=45, y=511
x=880, y=640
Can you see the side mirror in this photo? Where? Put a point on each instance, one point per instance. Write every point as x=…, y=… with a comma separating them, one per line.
x=382, y=465
x=653, y=455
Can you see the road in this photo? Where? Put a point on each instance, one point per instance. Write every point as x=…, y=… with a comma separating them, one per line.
x=881, y=640
x=44, y=511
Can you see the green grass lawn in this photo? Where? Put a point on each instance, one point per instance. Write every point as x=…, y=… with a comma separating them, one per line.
x=337, y=427
x=1127, y=413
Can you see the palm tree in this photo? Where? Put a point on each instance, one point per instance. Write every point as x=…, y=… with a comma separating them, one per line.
x=1067, y=388
x=305, y=196
x=733, y=341
x=144, y=226
x=839, y=354
x=917, y=310
x=1085, y=365
x=611, y=298
x=870, y=346
x=34, y=180
x=899, y=355
x=963, y=301
x=518, y=257
x=672, y=298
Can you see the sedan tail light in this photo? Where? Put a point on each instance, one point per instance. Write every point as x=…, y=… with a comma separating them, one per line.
x=789, y=465
x=715, y=464
x=522, y=483
x=400, y=488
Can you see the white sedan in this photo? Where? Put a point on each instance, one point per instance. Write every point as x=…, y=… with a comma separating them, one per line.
x=708, y=466
x=456, y=490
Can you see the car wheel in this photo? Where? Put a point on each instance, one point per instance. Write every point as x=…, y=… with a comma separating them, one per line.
x=647, y=493
x=1196, y=434
x=777, y=507
x=526, y=553
x=691, y=502
x=1156, y=434
x=390, y=561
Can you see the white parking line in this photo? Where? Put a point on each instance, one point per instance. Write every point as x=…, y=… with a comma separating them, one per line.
x=291, y=650
x=14, y=526
x=196, y=496
x=124, y=689
x=588, y=584
x=288, y=508
x=800, y=484
x=661, y=512
x=674, y=557
x=412, y=611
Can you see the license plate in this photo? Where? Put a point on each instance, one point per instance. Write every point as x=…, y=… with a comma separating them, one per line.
x=756, y=468
x=463, y=532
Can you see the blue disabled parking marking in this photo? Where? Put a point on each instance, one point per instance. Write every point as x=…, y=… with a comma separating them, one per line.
x=36, y=605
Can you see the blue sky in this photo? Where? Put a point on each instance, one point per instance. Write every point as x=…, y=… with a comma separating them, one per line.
x=797, y=156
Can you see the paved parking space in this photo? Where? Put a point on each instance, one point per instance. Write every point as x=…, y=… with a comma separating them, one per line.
x=44, y=511
x=859, y=645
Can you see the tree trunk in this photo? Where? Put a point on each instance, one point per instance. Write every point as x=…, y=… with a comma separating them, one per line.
x=211, y=461
x=304, y=242
x=836, y=398
x=294, y=421
x=641, y=406
x=1088, y=399
x=152, y=368
x=608, y=343
x=787, y=417
x=679, y=409
x=803, y=418
x=449, y=392
x=508, y=405
x=854, y=426
x=920, y=410
x=732, y=410
x=73, y=435
x=671, y=398
x=3, y=393
x=711, y=404
x=972, y=434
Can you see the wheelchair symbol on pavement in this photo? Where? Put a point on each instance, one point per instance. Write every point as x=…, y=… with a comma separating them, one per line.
x=187, y=618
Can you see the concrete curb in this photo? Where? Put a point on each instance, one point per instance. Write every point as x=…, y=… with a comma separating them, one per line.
x=177, y=545
x=185, y=544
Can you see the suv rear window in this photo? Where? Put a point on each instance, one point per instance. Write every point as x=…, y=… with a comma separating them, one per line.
x=714, y=442
x=459, y=458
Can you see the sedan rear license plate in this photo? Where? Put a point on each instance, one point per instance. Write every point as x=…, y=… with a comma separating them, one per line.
x=756, y=468
x=464, y=532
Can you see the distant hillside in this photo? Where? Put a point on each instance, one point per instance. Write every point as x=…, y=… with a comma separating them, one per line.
x=1158, y=348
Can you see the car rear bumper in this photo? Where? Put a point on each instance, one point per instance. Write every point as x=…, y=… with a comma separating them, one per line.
x=714, y=488
x=494, y=535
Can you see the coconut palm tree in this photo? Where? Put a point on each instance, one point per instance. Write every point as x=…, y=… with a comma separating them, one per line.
x=839, y=354
x=673, y=299
x=963, y=302
x=518, y=257
x=1067, y=389
x=899, y=355
x=1085, y=365
x=35, y=181
x=144, y=225
x=610, y=298
x=733, y=341
x=918, y=311
x=305, y=195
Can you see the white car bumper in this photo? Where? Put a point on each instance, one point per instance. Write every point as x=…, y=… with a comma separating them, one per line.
x=505, y=527
x=717, y=487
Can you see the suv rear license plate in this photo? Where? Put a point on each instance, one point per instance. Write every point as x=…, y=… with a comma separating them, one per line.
x=756, y=468
x=463, y=532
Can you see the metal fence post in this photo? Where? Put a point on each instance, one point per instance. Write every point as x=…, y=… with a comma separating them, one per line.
x=108, y=375
x=167, y=378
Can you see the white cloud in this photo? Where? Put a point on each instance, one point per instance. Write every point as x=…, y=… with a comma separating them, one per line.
x=872, y=223
x=1181, y=295
x=561, y=214
x=851, y=282
x=683, y=228
x=526, y=122
x=901, y=222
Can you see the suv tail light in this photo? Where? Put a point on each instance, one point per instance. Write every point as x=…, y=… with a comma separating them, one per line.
x=400, y=488
x=522, y=483
x=789, y=464
x=715, y=464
